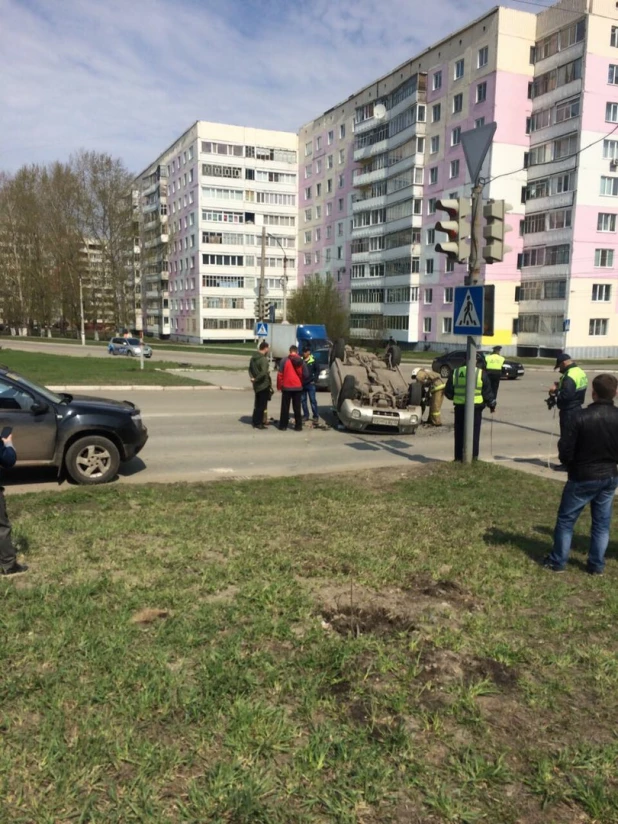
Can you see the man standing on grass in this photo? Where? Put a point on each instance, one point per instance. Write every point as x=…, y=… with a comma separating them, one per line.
x=588, y=448
x=8, y=556
x=259, y=374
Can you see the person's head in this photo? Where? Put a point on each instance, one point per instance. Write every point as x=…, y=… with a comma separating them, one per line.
x=293, y=350
x=497, y=349
x=306, y=353
x=604, y=387
x=563, y=361
x=264, y=347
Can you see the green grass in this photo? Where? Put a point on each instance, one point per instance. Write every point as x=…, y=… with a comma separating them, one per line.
x=368, y=648
x=222, y=348
x=60, y=370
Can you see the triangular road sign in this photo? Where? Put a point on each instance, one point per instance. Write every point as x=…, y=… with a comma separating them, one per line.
x=468, y=315
x=476, y=143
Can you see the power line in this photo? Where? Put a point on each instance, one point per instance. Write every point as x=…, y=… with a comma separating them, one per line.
x=542, y=6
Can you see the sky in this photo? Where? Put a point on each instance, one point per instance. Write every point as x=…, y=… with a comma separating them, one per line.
x=128, y=77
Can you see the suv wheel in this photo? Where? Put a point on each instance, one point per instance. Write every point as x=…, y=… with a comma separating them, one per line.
x=92, y=460
x=445, y=371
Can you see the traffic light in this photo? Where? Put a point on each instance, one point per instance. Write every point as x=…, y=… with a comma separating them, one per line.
x=494, y=249
x=456, y=227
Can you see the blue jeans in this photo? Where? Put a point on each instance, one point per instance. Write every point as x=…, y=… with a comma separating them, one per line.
x=575, y=496
x=309, y=391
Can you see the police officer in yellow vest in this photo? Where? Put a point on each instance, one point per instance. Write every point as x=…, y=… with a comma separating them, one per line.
x=569, y=391
x=483, y=396
x=436, y=385
x=494, y=364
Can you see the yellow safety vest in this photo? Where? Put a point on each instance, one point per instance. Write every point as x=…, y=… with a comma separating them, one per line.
x=576, y=374
x=494, y=362
x=459, y=386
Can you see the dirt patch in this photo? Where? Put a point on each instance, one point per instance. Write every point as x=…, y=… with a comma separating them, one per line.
x=224, y=596
x=443, y=666
x=502, y=676
x=149, y=616
x=364, y=621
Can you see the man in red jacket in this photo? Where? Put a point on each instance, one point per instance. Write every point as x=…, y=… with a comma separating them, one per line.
x=290, y=382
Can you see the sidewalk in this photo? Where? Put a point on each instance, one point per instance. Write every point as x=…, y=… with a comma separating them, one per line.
x=216, y=379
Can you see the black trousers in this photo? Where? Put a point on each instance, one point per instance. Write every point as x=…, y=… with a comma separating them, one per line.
x=494, y=380
x=7, y=550
x=259, y=406
x=284, y=419
x=459, y=430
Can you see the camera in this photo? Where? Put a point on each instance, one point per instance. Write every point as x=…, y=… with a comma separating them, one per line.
x=551, y=401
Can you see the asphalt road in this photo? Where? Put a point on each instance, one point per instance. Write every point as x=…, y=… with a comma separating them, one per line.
x=201, y=436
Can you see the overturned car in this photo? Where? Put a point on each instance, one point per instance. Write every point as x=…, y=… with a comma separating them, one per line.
x=371, y=392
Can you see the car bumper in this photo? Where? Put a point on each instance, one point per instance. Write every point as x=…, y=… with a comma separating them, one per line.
x=135, y=447
x=360, y=418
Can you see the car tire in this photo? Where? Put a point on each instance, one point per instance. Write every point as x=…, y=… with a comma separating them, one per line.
x=347, y=391
x=445, y=371
x=395, y=355
x=148, y=356
x=416, y=393
x=337, y=351
x=512, y=377
x=92, y=459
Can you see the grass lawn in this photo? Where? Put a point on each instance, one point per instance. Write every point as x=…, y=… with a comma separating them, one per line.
x=59, y=370
x=368, y=648
x=222, y=348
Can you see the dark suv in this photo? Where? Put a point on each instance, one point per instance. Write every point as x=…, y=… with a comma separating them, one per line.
x=89, y=437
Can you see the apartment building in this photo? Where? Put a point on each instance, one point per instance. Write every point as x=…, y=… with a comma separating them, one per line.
x=206, y=203
x=538, y=77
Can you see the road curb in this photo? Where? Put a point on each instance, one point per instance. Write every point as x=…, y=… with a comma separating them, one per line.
x=138, y=388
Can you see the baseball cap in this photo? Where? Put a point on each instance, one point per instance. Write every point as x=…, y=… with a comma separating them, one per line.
x=561, y=359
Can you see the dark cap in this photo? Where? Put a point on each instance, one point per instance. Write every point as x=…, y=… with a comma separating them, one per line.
x=562, y=357
x=497, y=349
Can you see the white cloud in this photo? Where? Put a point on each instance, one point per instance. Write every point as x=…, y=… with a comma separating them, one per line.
x=128, y=76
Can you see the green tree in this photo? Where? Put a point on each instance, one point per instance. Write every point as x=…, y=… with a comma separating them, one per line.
x=319, y=301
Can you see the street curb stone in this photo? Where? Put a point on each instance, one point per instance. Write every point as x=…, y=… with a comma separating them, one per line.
x=138, y=388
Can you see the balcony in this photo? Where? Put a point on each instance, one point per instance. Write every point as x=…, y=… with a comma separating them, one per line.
x=157, y=241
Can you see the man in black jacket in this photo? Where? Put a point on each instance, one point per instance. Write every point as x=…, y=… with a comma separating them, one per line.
x=311, y=372
x=8, y=557
x=589, y=450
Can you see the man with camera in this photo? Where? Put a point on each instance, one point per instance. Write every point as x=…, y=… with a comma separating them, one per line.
x=589, y=450
x=568, y=393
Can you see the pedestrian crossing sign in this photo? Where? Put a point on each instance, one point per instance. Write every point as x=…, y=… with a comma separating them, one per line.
x=261, y=330
x=468, y=310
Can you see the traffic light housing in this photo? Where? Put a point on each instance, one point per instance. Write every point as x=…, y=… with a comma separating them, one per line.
x=456, y=228
x=494, y=212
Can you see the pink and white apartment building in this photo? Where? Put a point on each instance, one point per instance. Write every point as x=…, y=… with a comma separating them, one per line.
x=373, y=167
x=204, y=204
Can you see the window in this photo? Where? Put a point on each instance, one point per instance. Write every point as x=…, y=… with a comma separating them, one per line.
x=565, y=146
x=420, y=145
x=610, y=149
x=612, y=76
x=458, y=103
x=611, y=112
x=601, y=292
x=329, y=162
x=436, y=110
x=433, y=175
x=307, y=215
x=308, y=237
x=437, y=80
x=434, y=144
x=428, y=296
x=341, y=156
x=606, y=222
x=609, y=186
x=597, y=326
x=450, y=266
x=342, y=131
x=340, y=229
x=341, y=181
x=318, y=167
x=329, y=232
x=318, y=234
x=426, y=325
x=308, y=193
x=454, y=169
x=318, y=189
x=480, y=121
x=448, y=294
x=613, y=40
x=483, y=57
x=456, y=136
x=340, y=204
x=481, y=92
x=308, y=149
x=447, y=326
x=604, y=258
x=431, y=237
x=566, y=110
x=329, y=209
x=431, y=206
x=329, y=184
x=459, y=70
x=318, y=143
x=307, y=258
x=331, y=137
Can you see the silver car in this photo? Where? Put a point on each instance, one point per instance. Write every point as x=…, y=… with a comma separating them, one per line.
x=128, y=346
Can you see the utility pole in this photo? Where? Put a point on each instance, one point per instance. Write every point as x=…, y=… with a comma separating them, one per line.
x=285, y=288
x=262, y=296
x=474, y=271
x=81, y=311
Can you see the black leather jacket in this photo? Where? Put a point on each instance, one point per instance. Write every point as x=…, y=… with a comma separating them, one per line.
x=589, y=446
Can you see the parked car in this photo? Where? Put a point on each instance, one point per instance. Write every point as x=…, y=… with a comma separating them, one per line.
x=128, y=346
x=445, y=364
x=87, y=437
x=322, y=358
x=368, y=391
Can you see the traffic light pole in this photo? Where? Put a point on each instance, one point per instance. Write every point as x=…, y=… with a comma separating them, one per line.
x=474, y=270
x=261, y=292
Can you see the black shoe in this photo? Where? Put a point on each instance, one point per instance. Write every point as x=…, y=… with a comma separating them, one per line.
x=16, y=569
x=550, y=566
x=298, y=429
x=559, y=468
x=593, y=570
x=283, y=429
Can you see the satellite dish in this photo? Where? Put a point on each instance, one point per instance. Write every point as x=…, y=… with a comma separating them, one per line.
x=379, y=111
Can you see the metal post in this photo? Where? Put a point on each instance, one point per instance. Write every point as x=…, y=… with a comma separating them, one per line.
x=261, y=299
x=474, y=268
x=81, y=312
x=285, y=287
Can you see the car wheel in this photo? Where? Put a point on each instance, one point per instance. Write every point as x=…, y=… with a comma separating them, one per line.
x=92, y=460
x=416, y=393
x=148, y=356
x=337, y=351
x=445, y=371
x=512, y=377
x=347, y=391
x=395, y=355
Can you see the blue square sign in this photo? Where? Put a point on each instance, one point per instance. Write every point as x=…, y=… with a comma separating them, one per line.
x=468, y=310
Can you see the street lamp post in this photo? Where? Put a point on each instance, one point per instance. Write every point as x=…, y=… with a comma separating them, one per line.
x=81, y=311
x=284, y=279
